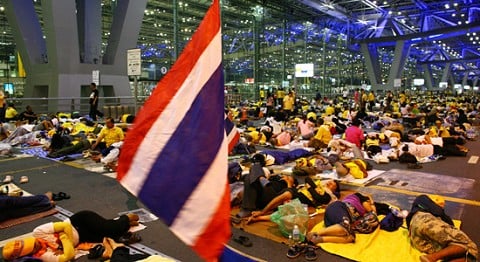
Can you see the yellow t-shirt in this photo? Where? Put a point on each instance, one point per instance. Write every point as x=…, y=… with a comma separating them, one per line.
x=112, y=135
x=312, y=115
x=288, y=103
x=323, y=134
x=319, y=189
x=330, y=110
x=10, y=112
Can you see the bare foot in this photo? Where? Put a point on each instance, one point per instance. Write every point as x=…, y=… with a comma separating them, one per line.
x=49, y=194
x=133, y=218
x=114, y=244
x=107, y=254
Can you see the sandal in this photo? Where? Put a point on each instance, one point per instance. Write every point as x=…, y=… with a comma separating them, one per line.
x=129, y=238
x=60, y=196
x=244, y=241
x=23, y=179
x=63, y=195
x=310, y=253
x=8, y=179
x=96, y=251
x=295, y=251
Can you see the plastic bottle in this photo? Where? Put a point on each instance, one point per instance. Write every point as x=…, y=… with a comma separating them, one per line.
x=296, y=234
x=395, y=211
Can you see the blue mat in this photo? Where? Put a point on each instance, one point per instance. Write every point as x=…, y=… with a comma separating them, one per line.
x=39, y=152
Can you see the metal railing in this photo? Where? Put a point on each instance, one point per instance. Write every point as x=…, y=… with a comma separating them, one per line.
x=114, y=106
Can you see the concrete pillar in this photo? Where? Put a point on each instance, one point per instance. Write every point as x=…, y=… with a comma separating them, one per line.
x=59, y=64
x=402, y=50
x=427, y=74
x=371, y=62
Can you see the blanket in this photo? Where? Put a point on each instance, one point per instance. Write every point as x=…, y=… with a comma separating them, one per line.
x=378, y=246
x=32, y=217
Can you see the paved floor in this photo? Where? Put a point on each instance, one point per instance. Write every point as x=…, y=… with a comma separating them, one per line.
x=453, y=178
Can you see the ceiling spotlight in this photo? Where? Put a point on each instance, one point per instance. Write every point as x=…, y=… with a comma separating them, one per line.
x=447, y=6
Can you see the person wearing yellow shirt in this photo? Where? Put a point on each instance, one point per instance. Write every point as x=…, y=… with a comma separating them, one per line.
x=11, y=113
x=280, y=96
x=371, y=100
x=438, y=130
x=329, y=110
x=288, y=103
x=110, y=134
x=322, y=137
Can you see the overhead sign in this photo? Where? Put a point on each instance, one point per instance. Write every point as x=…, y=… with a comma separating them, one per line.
x=134, y=62
x=303, y=70
x=397, y=82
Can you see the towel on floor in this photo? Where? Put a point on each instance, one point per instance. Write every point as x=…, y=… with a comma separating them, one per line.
x=378, y=246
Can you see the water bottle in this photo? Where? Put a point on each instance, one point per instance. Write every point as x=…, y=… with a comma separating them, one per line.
x=395, y=211
x=296, y=234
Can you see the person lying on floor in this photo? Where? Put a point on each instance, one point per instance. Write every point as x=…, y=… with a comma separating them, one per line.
x=356, y=166
x=432, y=232
x=260, y=187
x=313, y=193
x=343, y=218
x=56, y=241
x=20, y=206
x=447, y=146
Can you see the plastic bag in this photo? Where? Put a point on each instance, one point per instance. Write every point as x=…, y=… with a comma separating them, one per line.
x=290, y=214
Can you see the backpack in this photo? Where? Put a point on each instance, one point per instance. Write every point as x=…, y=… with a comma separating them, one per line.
x=391, y=222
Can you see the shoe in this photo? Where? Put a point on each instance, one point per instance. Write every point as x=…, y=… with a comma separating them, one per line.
x=129, y=238
x=295, y=251
x=310, y=253
x=8, y=179
x=23, y=179
x=96, y=251
x=243, y=240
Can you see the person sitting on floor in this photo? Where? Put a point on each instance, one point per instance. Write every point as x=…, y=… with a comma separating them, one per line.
x=56, y=241
x=110, y=134
x=433, y=232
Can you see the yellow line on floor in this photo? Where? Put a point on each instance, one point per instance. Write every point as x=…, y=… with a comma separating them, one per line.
x=28, y=169
x=412, y=193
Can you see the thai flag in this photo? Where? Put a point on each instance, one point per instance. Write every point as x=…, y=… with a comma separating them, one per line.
x=174, y=159
x=233, y=136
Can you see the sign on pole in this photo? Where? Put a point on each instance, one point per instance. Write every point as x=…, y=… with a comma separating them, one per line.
x=134, y=62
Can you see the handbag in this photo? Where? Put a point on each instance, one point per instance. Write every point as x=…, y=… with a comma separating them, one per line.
x=367, y=223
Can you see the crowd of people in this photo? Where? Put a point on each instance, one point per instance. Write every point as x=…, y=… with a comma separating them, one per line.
x=341, y=134
x=337, y=134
